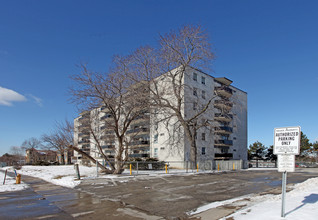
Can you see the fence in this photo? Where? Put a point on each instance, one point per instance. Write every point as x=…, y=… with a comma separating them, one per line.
x=262, y=164
x=146, y=167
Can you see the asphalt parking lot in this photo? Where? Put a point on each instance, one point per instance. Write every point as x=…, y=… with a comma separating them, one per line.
x=141, y=197
x=172, y=196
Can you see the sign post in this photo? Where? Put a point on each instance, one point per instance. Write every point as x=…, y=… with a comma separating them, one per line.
x=286, y=146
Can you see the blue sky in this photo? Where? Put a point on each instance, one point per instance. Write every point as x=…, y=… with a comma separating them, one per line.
x=268, y=48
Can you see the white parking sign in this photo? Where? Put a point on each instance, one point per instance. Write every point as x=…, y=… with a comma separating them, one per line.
x=287, y=140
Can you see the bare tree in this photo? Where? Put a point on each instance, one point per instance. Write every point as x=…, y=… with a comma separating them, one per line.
x=122, y=101
x=32, y=143
x=179, y=53
x=60, y=139
x=17, y=151
x=18, y=154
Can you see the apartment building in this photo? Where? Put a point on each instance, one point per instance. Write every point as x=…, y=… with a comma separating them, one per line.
x=225, y=136
x=153, y=134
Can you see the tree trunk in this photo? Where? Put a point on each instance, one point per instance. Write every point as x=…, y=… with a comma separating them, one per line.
x=118, y=159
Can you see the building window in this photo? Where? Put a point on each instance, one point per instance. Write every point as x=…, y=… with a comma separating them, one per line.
x=195, y=77
x=224, y=151
x=155, y=154
x=155, y=139
x=203, y=136
x=203, y=80
x=203, y=94
x=195, y=92
x=224, y=137
x=195, y=106
x=203, y=151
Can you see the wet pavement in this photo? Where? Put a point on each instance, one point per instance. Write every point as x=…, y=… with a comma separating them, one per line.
x=44, y=200
x=172, y=196
x=140, y=197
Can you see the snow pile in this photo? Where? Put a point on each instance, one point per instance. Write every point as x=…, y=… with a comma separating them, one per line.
x=301, y=203
x=59, y=175
x=214, y=205
x=65, y=175
x=10, y=184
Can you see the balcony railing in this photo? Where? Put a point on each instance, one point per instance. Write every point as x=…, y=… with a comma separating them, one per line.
x=107, y=146
x=223, y=129
x=82, y=119
x=106, y=117
x=223, y=156
x=223, y=142
x=85, y=146
x=134, y=143
x=83, y=141
x=223, y=117
x=139, y=155
x=83, y=126
x=223, y=104
x=138, y=130
x=84, y=134
x=224, y=91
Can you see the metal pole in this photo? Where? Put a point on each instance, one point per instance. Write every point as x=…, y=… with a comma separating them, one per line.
x=77, y=172
x=187, y=166
x=284, y=177
x=137, y=167
x=96, y=168
x=5, y=176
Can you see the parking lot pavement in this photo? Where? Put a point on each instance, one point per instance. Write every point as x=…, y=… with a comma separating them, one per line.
x=172, y=196
x=43, y=200
x=140, y=197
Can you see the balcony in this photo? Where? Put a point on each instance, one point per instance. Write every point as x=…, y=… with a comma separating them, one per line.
x=85, y=141
x=138, y=130
x=223, y=104
x=106, y=117
x=108, y=137
x=138, y=143
x=223, y=156
x=85, y=146
x=84, y=134
x=223, y=117
x=223, y=91
x=82, y=126
x=108, y=146
x=139, y=155
x=223, y=130
x=221, y=143
x=83, y=119
x=141, y=119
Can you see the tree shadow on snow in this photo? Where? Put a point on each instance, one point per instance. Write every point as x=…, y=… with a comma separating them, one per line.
x=312, y=198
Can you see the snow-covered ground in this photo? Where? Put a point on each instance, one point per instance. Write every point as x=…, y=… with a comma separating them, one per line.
x=10, y=184
x=66, y=175
x=301, y=203
x=59, y=175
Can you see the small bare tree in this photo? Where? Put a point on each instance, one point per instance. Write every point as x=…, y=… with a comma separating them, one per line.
x=60, y=139
x=32, y=143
